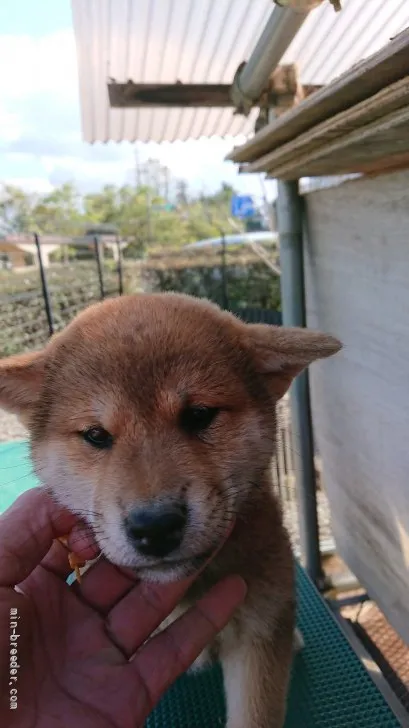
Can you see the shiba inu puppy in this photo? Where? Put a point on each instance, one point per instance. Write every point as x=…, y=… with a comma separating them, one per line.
x=153, y=417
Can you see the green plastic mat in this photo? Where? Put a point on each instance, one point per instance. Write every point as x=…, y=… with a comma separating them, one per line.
x=16, y=472
x=330, y=688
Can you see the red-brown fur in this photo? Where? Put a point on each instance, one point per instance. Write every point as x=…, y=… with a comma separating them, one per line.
x=131, y=365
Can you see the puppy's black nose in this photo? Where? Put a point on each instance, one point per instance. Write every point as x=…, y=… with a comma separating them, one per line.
x=157, y=529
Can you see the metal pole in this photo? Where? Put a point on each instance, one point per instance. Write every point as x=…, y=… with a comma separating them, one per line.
x=149, y=215
x=252, y=78
x=289, y=211
x=120, y=272
x=99, y=267
x=225, y=300
x=44, y=286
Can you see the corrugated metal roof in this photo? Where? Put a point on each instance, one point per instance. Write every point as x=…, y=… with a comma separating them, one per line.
x=329, y=43
x=194, y=41
x=203, y=41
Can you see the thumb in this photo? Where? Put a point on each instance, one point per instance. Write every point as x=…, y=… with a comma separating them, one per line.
x=27, y=531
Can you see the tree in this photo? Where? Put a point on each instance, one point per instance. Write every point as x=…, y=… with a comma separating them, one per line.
x=209, y=216
x=137, y=217
x=103, y=207
x=140, y=214
x=16, y=210
x=59, y=212
x=182, y=193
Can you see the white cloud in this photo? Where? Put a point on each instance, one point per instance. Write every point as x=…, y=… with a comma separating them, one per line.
x=30, y=184
x=10, y=125
x=40, y=134
x=39, y=66
x=40, y=118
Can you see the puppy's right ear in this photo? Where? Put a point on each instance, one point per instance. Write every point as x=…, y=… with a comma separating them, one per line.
x=21, y=382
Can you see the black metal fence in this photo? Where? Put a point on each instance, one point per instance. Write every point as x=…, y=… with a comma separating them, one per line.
x=39, y=301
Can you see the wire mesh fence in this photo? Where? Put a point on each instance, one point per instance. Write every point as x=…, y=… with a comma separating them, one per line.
x=23, y=322
x=285, y=487
x=41, y=300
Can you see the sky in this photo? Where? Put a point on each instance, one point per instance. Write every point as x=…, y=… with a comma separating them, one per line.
x=40, y=130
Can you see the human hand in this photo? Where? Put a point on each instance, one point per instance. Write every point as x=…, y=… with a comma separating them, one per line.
x=80, y=657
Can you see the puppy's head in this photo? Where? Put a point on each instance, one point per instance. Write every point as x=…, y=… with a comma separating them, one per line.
x=152, y=417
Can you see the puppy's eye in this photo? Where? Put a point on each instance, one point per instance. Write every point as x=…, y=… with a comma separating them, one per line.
x=98, y=437
x=197, y=419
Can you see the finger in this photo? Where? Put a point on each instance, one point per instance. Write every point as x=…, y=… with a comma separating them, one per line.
x=152, y=603
x=56, y=560
x=104, y=585
x=142, y=610
x=167, y=655
x=27, y=531
x=82, y=542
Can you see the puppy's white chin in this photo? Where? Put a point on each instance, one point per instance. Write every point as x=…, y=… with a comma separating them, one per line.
x=159, y=574
x=165, y=575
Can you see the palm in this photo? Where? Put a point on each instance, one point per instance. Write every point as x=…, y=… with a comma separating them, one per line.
x=86, y=657
x=68, y=664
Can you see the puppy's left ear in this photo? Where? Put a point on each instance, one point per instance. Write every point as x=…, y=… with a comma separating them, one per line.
x=283, y=353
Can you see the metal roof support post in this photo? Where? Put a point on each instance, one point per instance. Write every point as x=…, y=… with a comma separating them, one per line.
x=252, y=78
x=289, y=214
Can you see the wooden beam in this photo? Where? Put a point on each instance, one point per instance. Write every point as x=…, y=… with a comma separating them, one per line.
x=390, y=99
x=132, y=95
x=283, y=85
x=363, y=150
x=363, y=80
